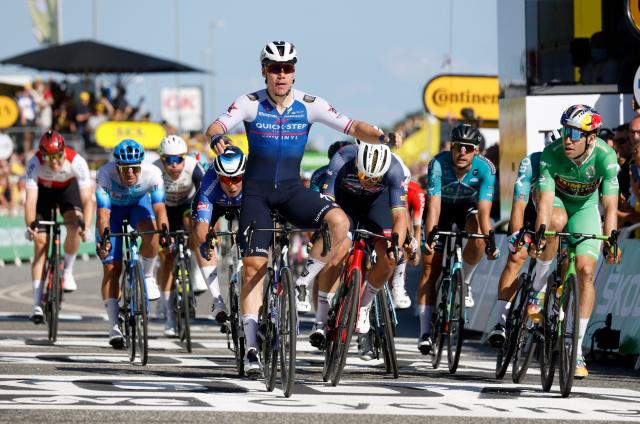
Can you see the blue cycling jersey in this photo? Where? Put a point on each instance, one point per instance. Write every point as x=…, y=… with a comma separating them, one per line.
x=211, y=195
x=477, y=184
x=277, y=140
x=110, y=190
x=318, y=177
x=528, y=176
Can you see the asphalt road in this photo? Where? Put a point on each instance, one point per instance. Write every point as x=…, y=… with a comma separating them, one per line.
x=81, y=379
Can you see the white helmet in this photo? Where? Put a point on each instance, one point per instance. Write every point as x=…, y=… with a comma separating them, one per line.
x=373, y=160
x=173, y=145
x=278, y=51
x=231, y=163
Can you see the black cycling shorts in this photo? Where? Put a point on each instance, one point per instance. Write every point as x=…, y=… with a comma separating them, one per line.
x=372, y=214
x=176, y=214
x=299, y=205
x=65, y=199
x=457, y=214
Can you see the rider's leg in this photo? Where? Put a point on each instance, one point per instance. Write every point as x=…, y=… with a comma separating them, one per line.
x=71, y=246
x=327, y=282
x=471, y=255
x=585, y=270
x=506, y=286
x=149, y=255
x=40, y=244
x=254, y=269
x=207, y=267
x=431, y=268
x=165, y=283
x=111, y=290
x=379, y=274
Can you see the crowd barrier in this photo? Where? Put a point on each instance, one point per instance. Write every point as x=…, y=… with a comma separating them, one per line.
x=617, y=293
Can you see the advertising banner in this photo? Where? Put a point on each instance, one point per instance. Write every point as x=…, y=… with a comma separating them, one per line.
x=446, y=95
x=182, y=107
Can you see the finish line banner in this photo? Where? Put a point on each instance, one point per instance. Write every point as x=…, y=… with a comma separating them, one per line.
x=14, y=246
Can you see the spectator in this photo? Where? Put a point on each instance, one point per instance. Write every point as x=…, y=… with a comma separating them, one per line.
x=634, y=132
x=606, y=135
x=82, y=115
x=43, y=101
x=623, y=149
x=601, y=68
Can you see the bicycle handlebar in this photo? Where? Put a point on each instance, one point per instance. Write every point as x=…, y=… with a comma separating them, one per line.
x=288, y=229
x=79, y=221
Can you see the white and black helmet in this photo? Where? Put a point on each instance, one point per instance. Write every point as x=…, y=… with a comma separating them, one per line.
x=231, y=163
x=373, y=160
x=173, y=145
x=278, y=51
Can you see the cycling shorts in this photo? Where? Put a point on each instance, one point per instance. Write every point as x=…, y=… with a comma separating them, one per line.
x=136, y=213
x=65, y=199
x=370, y=214
x=583, y=217
x=299, y=205
x=176, y=214
x=457, y=214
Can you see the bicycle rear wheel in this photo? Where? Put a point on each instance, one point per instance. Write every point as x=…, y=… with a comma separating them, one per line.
x=140, y=316
x=387, y=342
x=346, y=320
x=438, y=322
x=456, y=321
x=549, y=353
x=185, y=302
x=287, y=332
x=235, y=323
x=512, y=329
x=525, y=341
x=569, y=334
x=269, y=350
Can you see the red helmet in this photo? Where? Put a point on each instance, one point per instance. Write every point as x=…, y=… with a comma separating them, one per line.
x=51, y=143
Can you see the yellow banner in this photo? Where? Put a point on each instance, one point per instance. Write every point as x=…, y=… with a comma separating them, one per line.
x=8, y=112
x=446, y=95
x=110, y=133
x=423, y=144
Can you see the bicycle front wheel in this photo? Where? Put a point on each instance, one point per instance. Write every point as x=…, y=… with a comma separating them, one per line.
x=569, y=328
x=54, y=294
x=549, y=353
x=388, y=343
x=525, y=342
x=185, y=303
x=346, y=321
x=269, y=349
x=456, y=321
x=438, y=322
x=287, y=332
x=236, y=325
x=140, y=314
x=512, y=329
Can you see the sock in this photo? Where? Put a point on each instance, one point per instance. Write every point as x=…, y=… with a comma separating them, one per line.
x=368, y=294
x=324, y=303
x=424, y=312
x=206, y=271
x=542, y=272
x=582, y=330
x=113, y=310
x=37, y=292
x=213, y=283
x=250, y=325
x=468, y=270
x=69, y=260
x=502, y=309
x=398, y=275
x=165, y=298
x=311, y=269
x=147, y=266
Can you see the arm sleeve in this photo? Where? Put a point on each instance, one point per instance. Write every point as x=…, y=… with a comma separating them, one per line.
x=203, y=204
x=337, y=162
x=33, y=169
x=319, y=110
x=416, y=204
x=242, y=109
x=103, y=199
x=546, y=180
x=522, y=186
x=434, y=186
x=610, y=169
x=156, y=189
x=487, y=186
x=197, y=175
x=81, y=171
x=397, y=187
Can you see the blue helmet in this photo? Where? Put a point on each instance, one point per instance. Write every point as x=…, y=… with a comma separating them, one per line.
x=231, y=163
x=128, y=152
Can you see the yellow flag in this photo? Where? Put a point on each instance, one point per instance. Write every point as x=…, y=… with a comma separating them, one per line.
x=44, y=14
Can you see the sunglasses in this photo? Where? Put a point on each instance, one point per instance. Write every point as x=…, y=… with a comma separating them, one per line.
x=53, y=156
x=170, y=160
x=364, y=179
x=124, y=169
x=573, y=133
x=230, y=180
x=457, y=146
x=276, y=68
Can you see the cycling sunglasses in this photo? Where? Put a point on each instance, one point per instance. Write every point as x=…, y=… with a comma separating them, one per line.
x=170, y=160
x=276, y=67
x=230, y=180
x=573, y=133
x=53, y=156
x=364, y=179
x=126, y=168
x=457, y=146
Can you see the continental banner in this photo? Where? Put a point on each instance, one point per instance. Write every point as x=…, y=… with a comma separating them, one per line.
x=446, y=95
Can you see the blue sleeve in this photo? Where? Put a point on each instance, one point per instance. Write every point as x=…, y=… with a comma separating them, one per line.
x=434, y=186
x=337, y=162
x=103, y=200
x=197, y=175
x=397, y=188
x=204, y=197
x=157, y=194
x=488, y=180
x=522, y=186
x=317, y=179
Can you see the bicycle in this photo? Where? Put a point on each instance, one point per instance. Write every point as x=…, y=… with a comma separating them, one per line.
x=383, y=328
x=521, y=336
x=343, y=314
x=184, y=300
x=449, y=314
x=52, y=276
x=277, y=320
x=133, y=293
x=562, y=300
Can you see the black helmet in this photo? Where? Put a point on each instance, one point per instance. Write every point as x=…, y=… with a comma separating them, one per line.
x=465, y=133
x=333, y=149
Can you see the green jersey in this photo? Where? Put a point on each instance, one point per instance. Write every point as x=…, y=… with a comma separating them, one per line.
x=579, y=183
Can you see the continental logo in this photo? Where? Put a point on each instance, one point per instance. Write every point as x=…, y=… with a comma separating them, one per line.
x=632, y=9
x=446, y=95
x=576, y=189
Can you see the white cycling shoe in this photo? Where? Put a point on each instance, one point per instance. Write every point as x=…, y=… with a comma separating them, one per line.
x=69, y=283
x=468, y=299
x=153, y=292
x=401, y=299
x=364, y=323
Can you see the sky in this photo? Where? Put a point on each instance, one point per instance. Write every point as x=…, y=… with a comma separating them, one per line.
x=369, y=59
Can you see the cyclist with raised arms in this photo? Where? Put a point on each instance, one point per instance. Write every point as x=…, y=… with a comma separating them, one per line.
x=57, y=177
x=277, y=120
x=367, y=182
x=460, y=191
x=128, y=189
x=181, y=176
x=220, y=194
x=575, y=171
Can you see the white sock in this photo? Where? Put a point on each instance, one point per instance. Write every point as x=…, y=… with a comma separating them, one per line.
x=37, y=292
x=206, y=271
x=468, y=270
x=581, y=332
x=398, y=275
x=542, y=272
x=424, y=312
x=165, y=298
x=368, y=294
x=69, y=260
x=250, y=325
x=113, y=310
x=311, y=269
x=324, y=303
x=147, y=266
x=213, y=283
x=502, y=309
